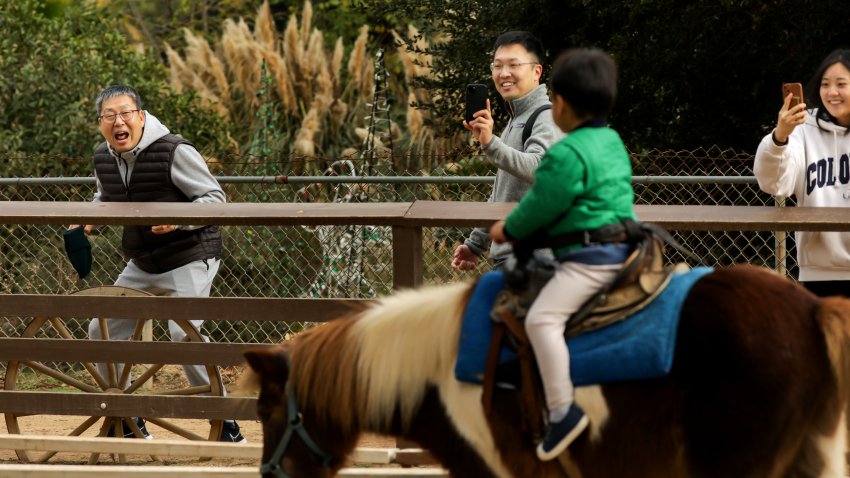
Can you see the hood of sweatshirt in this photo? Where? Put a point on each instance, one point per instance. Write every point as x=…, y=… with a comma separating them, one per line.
x=837, y=132
x=154, y=129
x=812, y=120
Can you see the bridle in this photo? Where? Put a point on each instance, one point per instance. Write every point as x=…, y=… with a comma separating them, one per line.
x=295, y=426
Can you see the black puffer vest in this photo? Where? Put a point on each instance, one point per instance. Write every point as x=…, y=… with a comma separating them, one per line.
x=151, y=182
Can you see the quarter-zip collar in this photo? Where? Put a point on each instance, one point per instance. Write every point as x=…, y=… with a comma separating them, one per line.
x=523, y=103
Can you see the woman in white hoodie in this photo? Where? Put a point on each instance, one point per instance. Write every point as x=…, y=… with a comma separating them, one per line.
x=807, y=155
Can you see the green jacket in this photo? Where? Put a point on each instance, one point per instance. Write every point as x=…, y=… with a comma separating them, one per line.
x=583, y=182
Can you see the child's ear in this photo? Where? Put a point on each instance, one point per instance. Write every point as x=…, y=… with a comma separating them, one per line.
x=559, y=102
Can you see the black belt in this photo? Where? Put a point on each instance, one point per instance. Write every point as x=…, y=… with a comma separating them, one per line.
x=630, y=231
x=626, y=231
x=604, y=235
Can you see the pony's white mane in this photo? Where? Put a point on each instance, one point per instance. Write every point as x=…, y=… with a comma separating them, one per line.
x=405, y=342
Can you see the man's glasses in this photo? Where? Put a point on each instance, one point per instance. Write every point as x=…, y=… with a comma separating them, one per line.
x=110, y=117
x=511, y=67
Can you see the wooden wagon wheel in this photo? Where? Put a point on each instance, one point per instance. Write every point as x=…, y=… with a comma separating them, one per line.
x=118, y=380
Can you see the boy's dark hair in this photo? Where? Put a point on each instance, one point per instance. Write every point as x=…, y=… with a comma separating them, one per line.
x=587, y=79
x=117, y=90
x=813, y=99
x=527, y=40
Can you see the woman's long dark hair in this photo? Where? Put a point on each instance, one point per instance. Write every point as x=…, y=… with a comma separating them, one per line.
x=813, y=87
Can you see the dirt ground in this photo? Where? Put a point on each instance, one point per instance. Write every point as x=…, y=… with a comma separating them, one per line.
x=171, y=379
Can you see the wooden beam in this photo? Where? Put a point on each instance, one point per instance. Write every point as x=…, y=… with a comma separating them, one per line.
x=120, y=405
x=96, y=471
x=746, y=218
x=131, y=447
x=158, y=447
x=416, y=214
x=456, y=213
x=245, y=309
x=685, y=217
x=414, y=457
x=123, y=351
x=232, y=214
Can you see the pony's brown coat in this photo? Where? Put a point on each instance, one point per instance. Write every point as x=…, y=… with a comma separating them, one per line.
x=326, y=376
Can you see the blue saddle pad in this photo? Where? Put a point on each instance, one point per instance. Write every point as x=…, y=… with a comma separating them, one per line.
x=638, y=347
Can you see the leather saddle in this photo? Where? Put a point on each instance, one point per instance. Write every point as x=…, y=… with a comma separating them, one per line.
x=641, y=279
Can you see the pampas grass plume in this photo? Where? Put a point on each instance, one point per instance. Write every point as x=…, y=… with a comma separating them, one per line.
x=264, y=29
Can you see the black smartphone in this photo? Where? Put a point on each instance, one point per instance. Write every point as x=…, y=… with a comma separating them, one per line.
x=476, y=100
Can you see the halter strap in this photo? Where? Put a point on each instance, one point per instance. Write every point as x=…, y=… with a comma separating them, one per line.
x=295, y=426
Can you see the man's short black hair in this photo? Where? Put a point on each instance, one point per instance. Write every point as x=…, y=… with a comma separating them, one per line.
x=587, y=79
x=113, y=91
x=527, y=40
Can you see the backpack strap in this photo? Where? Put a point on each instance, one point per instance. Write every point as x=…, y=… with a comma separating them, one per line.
x=529, y=124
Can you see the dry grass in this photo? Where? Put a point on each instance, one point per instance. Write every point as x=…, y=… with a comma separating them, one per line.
x=320, y=98
x=421, y=124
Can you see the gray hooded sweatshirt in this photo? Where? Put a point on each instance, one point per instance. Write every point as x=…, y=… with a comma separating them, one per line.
x=516, y=161
x=189, y=171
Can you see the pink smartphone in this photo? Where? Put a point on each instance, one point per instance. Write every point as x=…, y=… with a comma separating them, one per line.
x=796, y=89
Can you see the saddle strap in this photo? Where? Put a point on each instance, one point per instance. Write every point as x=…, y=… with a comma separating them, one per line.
x=530, y=385
x=490, y=368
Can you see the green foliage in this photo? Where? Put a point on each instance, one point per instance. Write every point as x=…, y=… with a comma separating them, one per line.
x=344, y=17
x=469, y=29
x=155, y=22
x=691, y=73
x=707, y=72
x=53, y=67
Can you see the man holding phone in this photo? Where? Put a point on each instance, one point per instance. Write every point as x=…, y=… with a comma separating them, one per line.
x=516, y=71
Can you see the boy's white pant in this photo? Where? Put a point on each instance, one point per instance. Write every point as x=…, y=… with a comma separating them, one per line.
x=192, y=280
x=570, y=287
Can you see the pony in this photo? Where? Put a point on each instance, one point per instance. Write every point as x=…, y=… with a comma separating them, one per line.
x=759, y=388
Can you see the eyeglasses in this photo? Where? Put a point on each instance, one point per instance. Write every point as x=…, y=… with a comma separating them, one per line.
x=511, y=67
x=110, y=117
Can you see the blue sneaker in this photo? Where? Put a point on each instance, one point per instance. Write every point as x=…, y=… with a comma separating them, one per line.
x=560, y=434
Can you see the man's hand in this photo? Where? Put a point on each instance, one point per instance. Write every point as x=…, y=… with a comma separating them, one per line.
x=163, y=229
x=88, y=228
x=464, y=258
x=481, y=126
x=497, y=233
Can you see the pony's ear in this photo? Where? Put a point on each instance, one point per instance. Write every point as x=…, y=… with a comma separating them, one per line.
x=269, y=362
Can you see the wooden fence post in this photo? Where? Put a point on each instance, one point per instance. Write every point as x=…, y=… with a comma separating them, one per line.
x=407, y=257
x=407, y=272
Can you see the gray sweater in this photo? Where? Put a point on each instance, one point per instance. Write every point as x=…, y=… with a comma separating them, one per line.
x=516, y=161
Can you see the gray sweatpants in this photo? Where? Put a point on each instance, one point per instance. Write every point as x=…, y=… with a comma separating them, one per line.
x=192, y=280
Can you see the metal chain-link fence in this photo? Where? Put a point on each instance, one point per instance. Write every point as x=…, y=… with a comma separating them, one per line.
x=356, y=261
